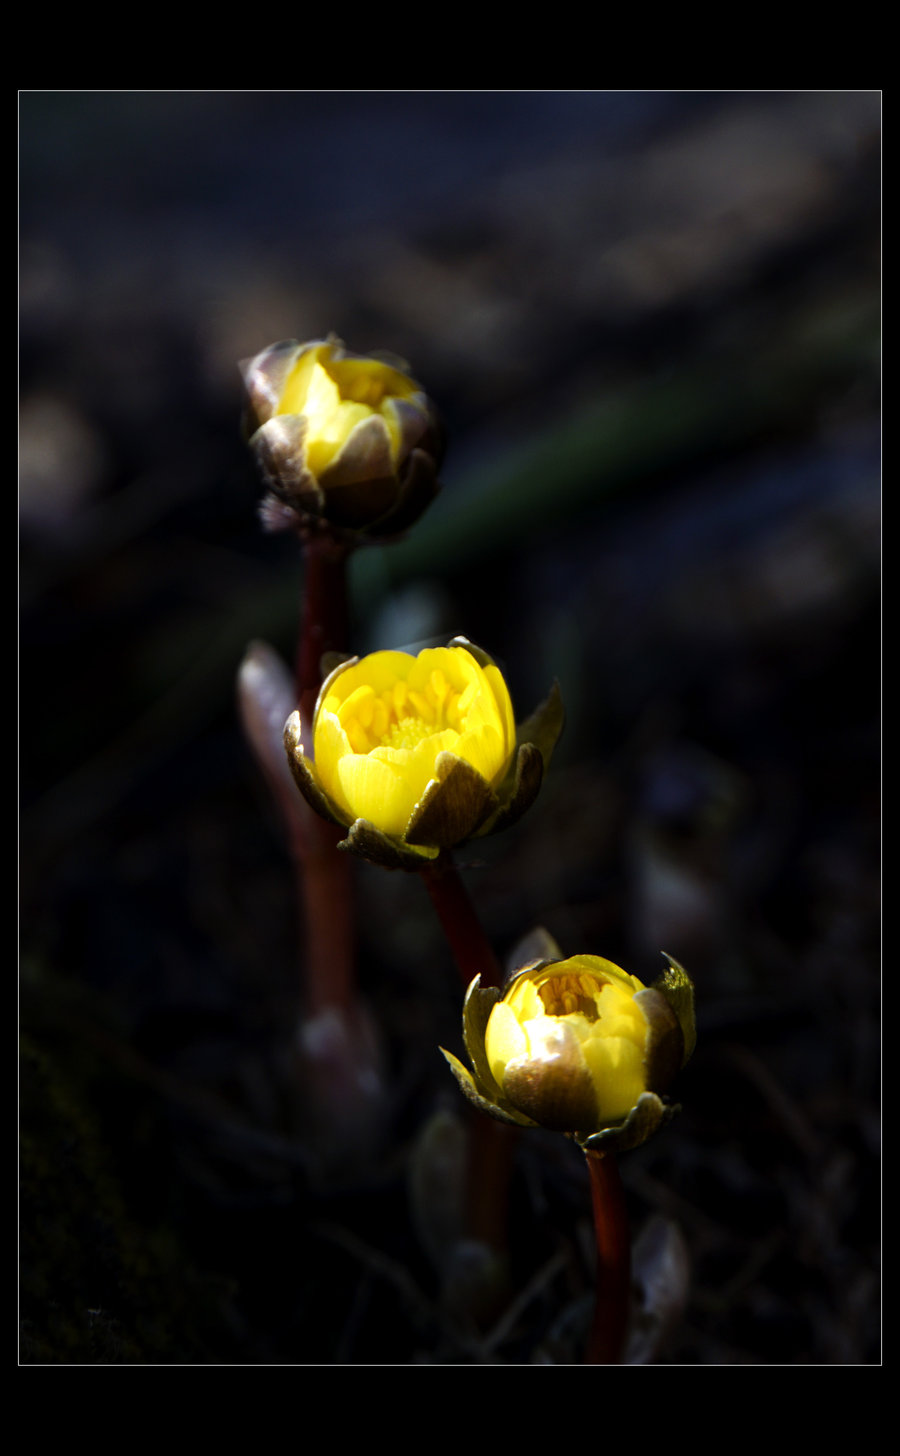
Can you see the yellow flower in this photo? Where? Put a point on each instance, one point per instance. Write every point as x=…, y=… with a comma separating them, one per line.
x=417, y=754
x=342, y=438
x=578, y=1046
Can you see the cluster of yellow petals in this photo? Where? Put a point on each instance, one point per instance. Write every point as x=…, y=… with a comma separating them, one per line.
x=579, y=1012
x=336, y=395
x=381, y=724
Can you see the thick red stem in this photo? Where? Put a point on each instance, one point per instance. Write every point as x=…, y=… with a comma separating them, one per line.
x=468, y=942
x=323, y=626
x=324, y=875
x=607, y=1337
x=490, y=1143
x=489, y=1170
x=325, y=892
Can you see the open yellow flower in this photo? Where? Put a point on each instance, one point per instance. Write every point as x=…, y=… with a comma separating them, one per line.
x=416, y=754
x=578, y=1046
x=342, y=438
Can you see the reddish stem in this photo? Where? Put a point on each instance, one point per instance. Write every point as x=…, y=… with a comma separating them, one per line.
x=489, y=1170
x=323, y=626
x=490, y=1143
x=607, y=1337
x=468, y=942
x=325, y=891
x=324, y=875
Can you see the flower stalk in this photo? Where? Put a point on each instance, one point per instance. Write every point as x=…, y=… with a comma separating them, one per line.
x=580, y=1047
x=335, y=1044
x=471, y=948
x=323, y=620
x=490, y=1145
x=611, y=1233
x=324, y=881
x=324, y=877
x=400, y=759
x=324, y=891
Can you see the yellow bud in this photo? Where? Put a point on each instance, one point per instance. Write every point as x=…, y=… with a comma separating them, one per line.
x=342, y=439
x=417, y=754
x=577, y=1046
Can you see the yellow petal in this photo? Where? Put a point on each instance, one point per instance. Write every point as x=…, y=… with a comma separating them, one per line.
x=331, y=745
x=370, y=381
x=620, y=1015
x=392, y=419
x=504, y=1040
x=380, y=671
x=429, y=660
x=374, y=790
x=457, y=664
x=479, y=701
x=603, y=969
x=616, y=1065
x=477, y=709
x=416, y=765
x=358, y=702
x=494, y=679
x=524, y=999
x=483, y=749
x=296, y=389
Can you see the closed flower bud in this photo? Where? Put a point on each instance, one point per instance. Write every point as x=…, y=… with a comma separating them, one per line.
x=578, y=1046
x=345, y=441
x=414, y=755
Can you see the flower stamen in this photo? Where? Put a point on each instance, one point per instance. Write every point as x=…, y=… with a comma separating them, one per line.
x=406, y=733
x=401, y=716
x=565, y=995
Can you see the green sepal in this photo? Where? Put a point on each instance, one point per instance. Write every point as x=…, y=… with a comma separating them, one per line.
x=545, y=725
x=678, y=988
x=453, y=805
x=536, y=739
x=518, y=790
x=279, y=446
x=664, y=1042
x=481, y=657
x=418, y=487
x=469, y=1088
x=364, y=840
x=477, y=1007
x=265, y=376
x=338, y=663
x=647, y=1114
x=364, y=458
x=304, y=773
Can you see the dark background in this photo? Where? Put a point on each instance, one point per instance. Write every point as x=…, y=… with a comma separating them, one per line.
x=651, y=322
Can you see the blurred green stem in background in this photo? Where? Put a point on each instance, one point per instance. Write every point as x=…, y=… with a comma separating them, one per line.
x=718, y=402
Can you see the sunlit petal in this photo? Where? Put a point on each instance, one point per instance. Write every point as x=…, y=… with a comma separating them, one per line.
x=504, y=1040
x=500, y=693
x=376, y=791
x=483, y=749
x=331, y=746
